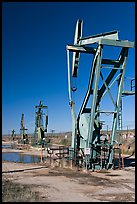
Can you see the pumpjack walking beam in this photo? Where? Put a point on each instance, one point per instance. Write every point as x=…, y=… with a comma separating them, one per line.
x=86, y=127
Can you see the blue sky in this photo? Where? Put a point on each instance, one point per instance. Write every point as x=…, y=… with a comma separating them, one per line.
x=34, y=60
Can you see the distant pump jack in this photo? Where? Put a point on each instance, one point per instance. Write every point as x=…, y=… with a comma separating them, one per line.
x=13, y=135
x=24, y=135
x=40, y=128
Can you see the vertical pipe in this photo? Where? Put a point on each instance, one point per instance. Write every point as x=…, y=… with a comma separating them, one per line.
x=122, y=156
x=73, y=144
x=101, y=152
x=127, y=132
x=113, y=157
x=69, y=86
x=41, y=154
x=119, y=163
x=74, y=122
x=131, y=84
x=105, y=149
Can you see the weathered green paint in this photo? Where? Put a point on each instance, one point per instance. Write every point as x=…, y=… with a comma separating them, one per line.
x=86, y=131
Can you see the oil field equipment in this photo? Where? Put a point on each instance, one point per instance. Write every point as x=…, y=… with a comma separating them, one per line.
x=23, y=133
x=13, y=135
x=40, y=127
x=88, y=142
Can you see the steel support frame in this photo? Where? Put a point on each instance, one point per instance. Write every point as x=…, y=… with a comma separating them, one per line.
x=97, y=94
x=96, y=99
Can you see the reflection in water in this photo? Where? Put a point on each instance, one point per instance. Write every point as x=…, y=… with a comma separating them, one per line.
x=17, y=157
x=21, y=157
x=32, y=159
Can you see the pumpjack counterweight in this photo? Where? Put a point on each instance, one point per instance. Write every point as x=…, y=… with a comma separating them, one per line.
x=87, y=142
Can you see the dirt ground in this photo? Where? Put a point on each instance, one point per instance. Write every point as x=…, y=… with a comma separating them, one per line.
x=55, y=184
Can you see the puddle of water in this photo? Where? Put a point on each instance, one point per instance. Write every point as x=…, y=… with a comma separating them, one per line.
x=17, y=157
x=6, y=146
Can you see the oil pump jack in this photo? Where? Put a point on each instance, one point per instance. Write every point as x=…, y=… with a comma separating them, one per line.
x=40, y=128
x=87, y=125
x=24, y=135
x=13, y=135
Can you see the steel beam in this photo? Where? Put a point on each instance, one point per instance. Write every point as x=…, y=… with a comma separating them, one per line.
x=94, y=98
x=82, y=49
x=76, y=55
x=96, y=38
x=119, y=43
